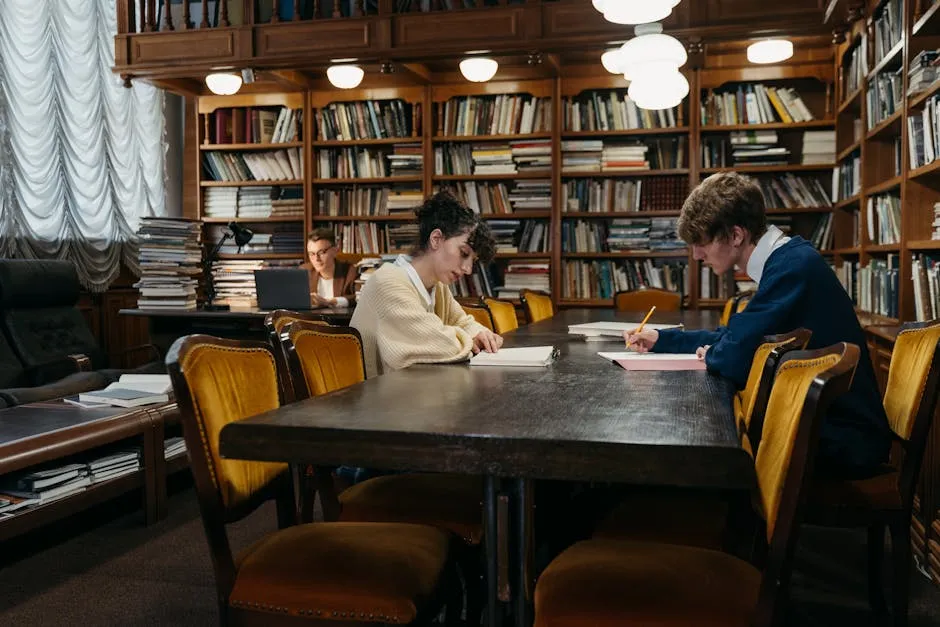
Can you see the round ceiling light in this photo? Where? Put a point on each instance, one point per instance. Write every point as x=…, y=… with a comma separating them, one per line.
x=649, y=51
x=224, y=83
x=659, y=92
x=770, y=51
x=635, y=11
x=478, y=69
x=345, y=76
x=611, y=61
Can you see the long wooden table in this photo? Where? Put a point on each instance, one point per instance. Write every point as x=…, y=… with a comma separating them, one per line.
x=581, y=418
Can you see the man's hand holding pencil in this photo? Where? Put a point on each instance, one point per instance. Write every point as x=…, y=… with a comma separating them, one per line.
x=639, y=339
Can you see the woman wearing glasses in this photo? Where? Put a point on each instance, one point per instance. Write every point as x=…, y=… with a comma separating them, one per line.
x=332, y=283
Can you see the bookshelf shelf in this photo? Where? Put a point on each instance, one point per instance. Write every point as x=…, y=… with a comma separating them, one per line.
x=631, y=132
x=523, y=255
x=892, y=60
x=297, y=255
x=626, y=174
x=778, y=211
x=928, y=23
x=250, y=220
x=516, y=215
x=586, y=302
x=816, y=167
x=489, y=138
x=848, y=151
x=384, y=141
x=885, y=186
x=844, y=251
x=267, y=146
x=385, y=180
x=492, y=177
x=918, y=101
x=851, y=102
x=867, y=318
x=925, y=244
x=889, y=126
x=883, y=248
x=851, y=201
x=406, y=217
x=924, y=170
x=776, y=126
x=601, y=215
x=678, y=254
x=251, y=183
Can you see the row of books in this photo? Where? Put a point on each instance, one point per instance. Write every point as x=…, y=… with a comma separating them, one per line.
x=847, y=177
x=923, y=131
x=855, y=67
x=823, y=235
x=925, y=274
x=614, y=111
x=874, y=287
x=715, y=286
x=621, y=235
x=368, y=119
x=923, y=73
x=501, y=114
x=602, y=279
x=524, y=275
x=255, y=125
x=889, y=28
x=789, y=191
x=404, y=160
x=170, y=261
x=884, y=218
x=368, y=200
x=520, y=236
x=505, y=198
x=253, y=202
x=884, y=96
x=754, y=103
x=234, y=280
x=370, y=238
x=599, y=155
x=483, y=159
x=272, y=165
x=663, y=193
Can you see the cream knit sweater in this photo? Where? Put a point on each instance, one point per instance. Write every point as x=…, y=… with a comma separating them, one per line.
x=399, y=328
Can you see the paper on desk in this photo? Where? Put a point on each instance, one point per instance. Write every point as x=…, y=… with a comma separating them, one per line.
x=629, y=360
x=613, y=329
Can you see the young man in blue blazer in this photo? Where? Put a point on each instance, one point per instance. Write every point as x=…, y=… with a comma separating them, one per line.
x=725, y=223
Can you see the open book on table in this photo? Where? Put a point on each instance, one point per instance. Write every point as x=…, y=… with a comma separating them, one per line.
x=655, y=361
x=131, y=390
x=526, y=356
x=606, y=331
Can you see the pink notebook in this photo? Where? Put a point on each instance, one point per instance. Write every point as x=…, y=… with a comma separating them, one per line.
x=655, y=361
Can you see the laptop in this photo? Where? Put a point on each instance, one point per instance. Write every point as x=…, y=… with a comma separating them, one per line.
x=283, y=288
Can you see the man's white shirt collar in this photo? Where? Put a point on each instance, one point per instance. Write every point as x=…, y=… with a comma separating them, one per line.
x=770, y=241
x=404, y=261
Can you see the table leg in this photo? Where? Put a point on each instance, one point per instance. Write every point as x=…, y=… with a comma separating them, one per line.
x=490, y=543
x=521, y=554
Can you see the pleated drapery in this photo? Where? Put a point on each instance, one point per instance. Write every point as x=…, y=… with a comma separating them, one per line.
x=81, y=156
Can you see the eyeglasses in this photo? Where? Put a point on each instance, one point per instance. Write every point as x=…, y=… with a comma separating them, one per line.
x=319, y=254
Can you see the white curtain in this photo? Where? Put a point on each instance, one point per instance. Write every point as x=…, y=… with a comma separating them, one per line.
x=81, y=156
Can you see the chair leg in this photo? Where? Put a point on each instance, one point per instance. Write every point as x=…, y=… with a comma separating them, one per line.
x=900, y=529
x=876, y=546
x=470, y=560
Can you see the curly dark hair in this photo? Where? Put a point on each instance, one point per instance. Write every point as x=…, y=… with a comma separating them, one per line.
x=443, y=211
x=720, y=203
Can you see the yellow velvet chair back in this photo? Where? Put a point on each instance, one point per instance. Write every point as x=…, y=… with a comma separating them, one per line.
x=911, y=361
x=281, y=318
x=504, y=315
x=642, y=300
x=538, y=305
x=798, y=399
x=217, y=382
x=726, y=312
x=742, y=303
x=322, y=358
x=480, y=314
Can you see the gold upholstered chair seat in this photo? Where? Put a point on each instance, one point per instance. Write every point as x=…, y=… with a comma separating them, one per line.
x=368, y=571
x=451, y=502
x=600, y=583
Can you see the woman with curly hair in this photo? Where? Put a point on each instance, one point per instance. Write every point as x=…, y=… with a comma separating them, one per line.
x=406, y=313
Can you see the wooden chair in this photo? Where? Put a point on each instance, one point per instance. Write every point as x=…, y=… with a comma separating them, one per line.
x=887, y=499
x=698, y=517
x=643, y=299
x=537, y=305
x=623, y=582
x=318, y=573
x=741, y=301
x=481, y=314
x=504, y=315
x=726, y=312
x=274, y=322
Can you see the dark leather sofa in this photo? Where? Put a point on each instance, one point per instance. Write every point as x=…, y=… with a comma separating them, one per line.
x=45, y=340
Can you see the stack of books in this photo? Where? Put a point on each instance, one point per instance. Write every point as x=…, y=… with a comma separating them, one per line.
x=819, y=147
x=581, y=155
x=406, y=160
x=174, y=446
x=492, y=159
x=170, y=258
x=287, y=202
x=757, y=148
x=533, y=155
x=519, y=275
x=923, y=71
x=624, y=158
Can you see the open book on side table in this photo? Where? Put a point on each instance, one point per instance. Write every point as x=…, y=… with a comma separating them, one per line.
x=131, y=390
x=655, y=361
x=526, y=356
x=608, y=331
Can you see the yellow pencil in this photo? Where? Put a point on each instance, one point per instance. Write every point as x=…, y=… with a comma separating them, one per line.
x=642, y=324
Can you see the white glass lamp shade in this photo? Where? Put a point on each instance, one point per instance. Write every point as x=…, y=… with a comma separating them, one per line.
x=635, y=11
x=478, y=69
x=611, y=61
x=652, y=51
x=659, y=92
x=223, y=84
x=345, y=76
x=770, y=51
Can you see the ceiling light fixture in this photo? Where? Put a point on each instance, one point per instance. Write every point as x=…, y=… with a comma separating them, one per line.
x=478, y=69
x=662, y=91
x=770, y=51
x=223, y=83
x=650, y=51
x=635, y=11
x=611, y=61
x=345, y=76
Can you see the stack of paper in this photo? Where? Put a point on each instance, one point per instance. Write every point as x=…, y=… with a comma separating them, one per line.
x=527, y=356
x=607, y=331
x=655, y=361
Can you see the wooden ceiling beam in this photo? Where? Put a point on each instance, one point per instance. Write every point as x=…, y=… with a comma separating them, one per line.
x=181, y=86
x=420, y=71
x=292, y=79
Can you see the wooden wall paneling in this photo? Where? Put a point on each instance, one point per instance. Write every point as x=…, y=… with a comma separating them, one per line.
x=89, y=305
x=121, y=333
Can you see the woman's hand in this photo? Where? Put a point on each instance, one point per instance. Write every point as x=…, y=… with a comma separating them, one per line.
x=319, y=301
x=701, y=350
x=641, y=342
x=487, y=341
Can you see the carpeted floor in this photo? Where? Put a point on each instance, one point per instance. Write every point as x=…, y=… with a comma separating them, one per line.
x=105, y=568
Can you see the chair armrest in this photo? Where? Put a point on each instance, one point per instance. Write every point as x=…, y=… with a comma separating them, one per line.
x=44, y=373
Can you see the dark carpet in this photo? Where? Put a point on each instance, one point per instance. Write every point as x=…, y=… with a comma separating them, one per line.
x=105, y=568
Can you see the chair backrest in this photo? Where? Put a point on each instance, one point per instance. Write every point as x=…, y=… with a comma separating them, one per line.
x=726, y=312
x=751, y=402
x=804, y=386
x=274, y=323
x=741, y=301
x=537, y=305
x=504, y=315
x=911, y=396
x=642, y=300
x=481, y=314
x=217, y=382
x=322, y=359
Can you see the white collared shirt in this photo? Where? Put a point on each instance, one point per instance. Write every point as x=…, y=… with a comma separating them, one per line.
x=770, y=241
x=404, y=261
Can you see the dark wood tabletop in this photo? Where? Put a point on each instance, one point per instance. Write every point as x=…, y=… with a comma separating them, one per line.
x=580, y=418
